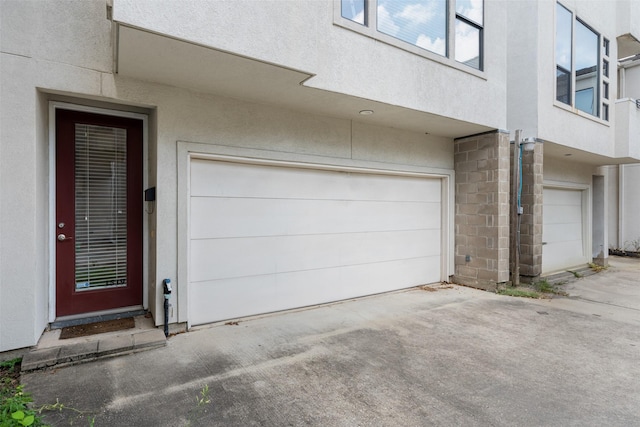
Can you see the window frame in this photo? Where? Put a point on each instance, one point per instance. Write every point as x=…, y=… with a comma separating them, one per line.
x=369, y=29
x=601, y=102
x=458, y=17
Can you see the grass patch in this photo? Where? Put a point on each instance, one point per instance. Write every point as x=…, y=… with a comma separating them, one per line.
x=597, y=268
x=576, y=274
x=546, y=287
x=512, y=292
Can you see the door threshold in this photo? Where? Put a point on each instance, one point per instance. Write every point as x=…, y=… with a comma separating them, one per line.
x=53, y=351
x=63, y=322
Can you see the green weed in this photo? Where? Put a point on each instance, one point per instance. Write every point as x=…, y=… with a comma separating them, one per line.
x=518, y=293
x=14, y=402
x=202, y=399
x=16, y=405
x=597, y=268
x=546, y=287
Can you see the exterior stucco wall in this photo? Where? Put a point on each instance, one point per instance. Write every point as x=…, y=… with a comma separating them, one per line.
x=559, y=170
x=629, y=232
x=632, y=81
x=532, y=105
x=523, y=66
x=301, y=35
x=613, y=203
x=32, y=72
x=20, y=224
x=628, y=17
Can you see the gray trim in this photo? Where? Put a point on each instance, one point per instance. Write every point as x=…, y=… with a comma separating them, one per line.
x=489, y=132
x=94, y=319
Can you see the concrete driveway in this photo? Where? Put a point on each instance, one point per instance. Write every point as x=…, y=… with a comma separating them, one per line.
x=448, y=357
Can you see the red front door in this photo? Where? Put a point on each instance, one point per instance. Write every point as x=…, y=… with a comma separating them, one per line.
x=98, y=212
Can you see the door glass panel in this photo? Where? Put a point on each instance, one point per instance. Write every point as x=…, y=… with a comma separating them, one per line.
x=101, y=202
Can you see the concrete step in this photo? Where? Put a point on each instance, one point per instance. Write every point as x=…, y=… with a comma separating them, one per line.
x=62, y=353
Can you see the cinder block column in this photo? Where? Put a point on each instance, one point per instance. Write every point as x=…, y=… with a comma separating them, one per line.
x=482, y=210
x=531, y=221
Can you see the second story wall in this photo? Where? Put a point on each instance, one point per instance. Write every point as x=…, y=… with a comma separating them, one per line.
x=312, y=36
x=630, y=80
x=567, y=94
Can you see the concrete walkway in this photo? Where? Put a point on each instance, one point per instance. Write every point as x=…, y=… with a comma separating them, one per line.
x=447, y=357
x=52, y=351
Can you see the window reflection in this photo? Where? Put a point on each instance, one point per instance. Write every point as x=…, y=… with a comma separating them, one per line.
x=563, y=54
x=586, y=46
x=563, y=37
x=470, y=9
x=354, y=10
x=422, y=23
x=467, y=44
x=563, y=86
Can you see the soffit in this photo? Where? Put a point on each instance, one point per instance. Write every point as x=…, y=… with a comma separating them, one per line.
x=580, y=156
x=157, y=58
x=628, y=46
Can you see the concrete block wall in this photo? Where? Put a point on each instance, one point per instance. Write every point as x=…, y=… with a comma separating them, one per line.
x=481, y=164
x=531, y=219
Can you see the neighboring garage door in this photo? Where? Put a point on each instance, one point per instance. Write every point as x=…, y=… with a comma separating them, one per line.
x=268, y=238
x=562, y=232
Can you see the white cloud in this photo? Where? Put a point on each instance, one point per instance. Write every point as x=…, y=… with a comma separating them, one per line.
x=359, y=18
x=438, y=45
x=472, y=9
x=417, y=13
x=467, y=42
x=385, y=22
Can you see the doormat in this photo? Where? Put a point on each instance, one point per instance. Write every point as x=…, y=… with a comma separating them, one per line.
x=97, y=328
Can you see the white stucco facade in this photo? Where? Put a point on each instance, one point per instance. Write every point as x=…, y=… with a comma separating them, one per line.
x=576, y=143
x=69, y=58
x=279, y=81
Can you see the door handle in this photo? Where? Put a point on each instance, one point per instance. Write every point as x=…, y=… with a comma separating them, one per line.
x=62, y=237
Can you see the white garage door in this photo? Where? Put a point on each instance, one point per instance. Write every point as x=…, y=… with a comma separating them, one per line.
x=266, y=238
x=562, y=232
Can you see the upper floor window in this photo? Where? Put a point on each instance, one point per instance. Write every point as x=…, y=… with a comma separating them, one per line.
x=449, y=28
x=581, y=66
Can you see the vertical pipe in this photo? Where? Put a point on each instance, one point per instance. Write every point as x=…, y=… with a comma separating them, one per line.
x=166, y=316
x=167, y=295
x=515, y=217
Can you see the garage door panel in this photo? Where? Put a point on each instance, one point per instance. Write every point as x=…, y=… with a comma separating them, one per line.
x=268, y=238
x=272, y=255
x=572, y=255
x=562, y=197
x=562, y=229
x=562, y=232
x=226, y=299
x=246, y=180
x=556, y=214
x=223, y=217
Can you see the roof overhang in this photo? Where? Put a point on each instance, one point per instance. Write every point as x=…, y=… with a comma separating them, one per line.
x=147, y=56
x=628, y=45
x=580, y=156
